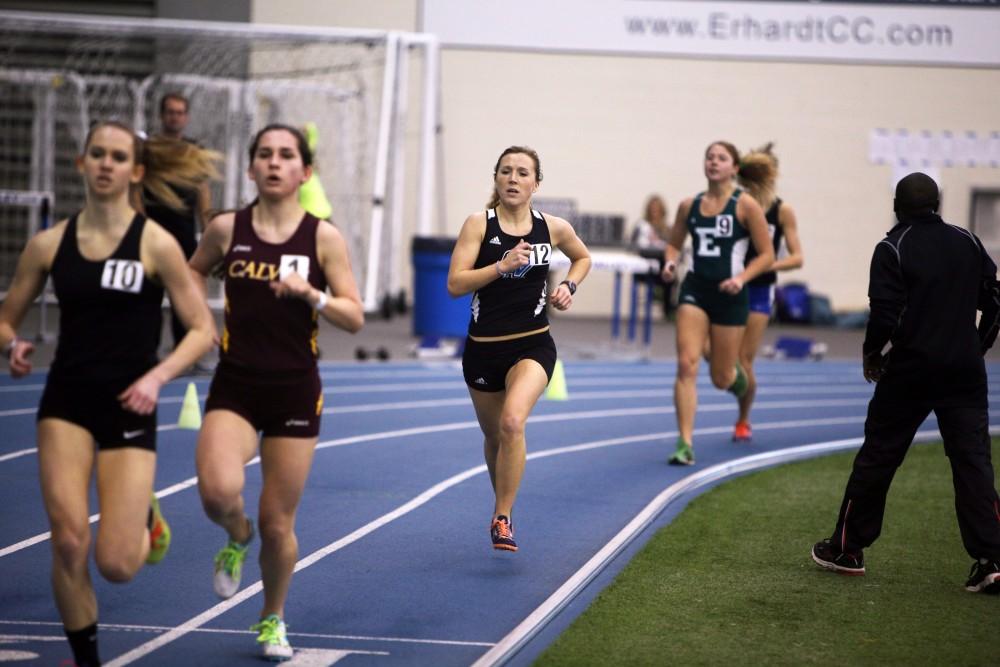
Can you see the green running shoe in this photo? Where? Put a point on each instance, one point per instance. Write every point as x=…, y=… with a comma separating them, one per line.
x=740, y=385
x=272, y=639
x=229, y=566
x=683, y=455
x=159, y=533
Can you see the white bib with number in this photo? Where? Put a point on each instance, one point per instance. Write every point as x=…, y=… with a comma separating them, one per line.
x=122, y=275
x=293, y=264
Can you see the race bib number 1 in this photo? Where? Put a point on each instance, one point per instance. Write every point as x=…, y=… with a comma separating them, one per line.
x=122, y=275
x=294, y=264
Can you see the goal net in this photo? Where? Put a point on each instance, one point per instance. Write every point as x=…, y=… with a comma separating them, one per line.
x=61, y=73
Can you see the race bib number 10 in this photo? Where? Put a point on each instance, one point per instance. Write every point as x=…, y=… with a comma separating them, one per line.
x=122, y=275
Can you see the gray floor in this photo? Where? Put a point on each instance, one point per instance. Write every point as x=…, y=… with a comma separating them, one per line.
x=577, y=338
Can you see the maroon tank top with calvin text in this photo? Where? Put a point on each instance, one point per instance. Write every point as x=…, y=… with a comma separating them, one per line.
x=263, y=332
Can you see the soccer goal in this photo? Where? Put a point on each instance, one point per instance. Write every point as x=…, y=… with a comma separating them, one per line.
x=375, y=153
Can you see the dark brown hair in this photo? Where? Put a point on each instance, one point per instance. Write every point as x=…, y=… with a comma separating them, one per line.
x=300, y=139
x=728, y=147
x=173, y=96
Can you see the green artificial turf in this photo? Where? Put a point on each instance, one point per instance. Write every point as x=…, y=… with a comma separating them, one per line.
x=730, y=581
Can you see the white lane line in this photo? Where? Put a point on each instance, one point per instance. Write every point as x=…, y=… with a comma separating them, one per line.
x=421, y=499
x=33, y=450
x=256, y=587
x=20, y=452
x=458, y=426
x=17, y=412
x=15, y=388
x=128, y=627
x=581, y=396
x=786, y=383
x=507, y=647
x=31, y=638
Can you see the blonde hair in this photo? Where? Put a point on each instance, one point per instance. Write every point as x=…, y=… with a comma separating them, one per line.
x=167, y=162
x=759, y=173
x=530, y=152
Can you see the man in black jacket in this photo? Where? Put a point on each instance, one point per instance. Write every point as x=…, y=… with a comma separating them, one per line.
x=928, y=279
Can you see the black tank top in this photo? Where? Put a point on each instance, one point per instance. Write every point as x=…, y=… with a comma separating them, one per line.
x=262, y=332
x=109, y=310
x=774, y=229
x=515, y=302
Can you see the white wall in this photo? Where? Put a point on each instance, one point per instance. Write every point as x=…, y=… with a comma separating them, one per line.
x=612, y=129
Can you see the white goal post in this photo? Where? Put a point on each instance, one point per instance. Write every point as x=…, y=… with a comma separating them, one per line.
x=59, y=73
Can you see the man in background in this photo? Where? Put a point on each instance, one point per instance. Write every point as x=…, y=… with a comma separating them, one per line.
x=184, y=225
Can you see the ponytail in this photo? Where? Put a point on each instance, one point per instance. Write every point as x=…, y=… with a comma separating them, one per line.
x=167, y=162
x=179, y=163
x=759, y=173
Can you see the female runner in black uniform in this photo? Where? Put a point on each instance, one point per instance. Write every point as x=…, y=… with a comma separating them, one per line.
x=502, y=255
x=758, y=173
x=109, y=266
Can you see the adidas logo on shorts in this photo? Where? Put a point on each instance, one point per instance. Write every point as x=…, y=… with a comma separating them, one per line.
x=480, y=381
x=495, y=240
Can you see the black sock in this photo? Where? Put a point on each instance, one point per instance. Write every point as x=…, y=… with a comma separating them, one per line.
x=84, y=645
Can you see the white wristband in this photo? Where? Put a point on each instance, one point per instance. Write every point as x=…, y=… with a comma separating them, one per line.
x=9, y=347
x=321, y=302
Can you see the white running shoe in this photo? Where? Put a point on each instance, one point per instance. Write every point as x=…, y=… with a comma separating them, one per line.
x=272, y=639
x=229, y=566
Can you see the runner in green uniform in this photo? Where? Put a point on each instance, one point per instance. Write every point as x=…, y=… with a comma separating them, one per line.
x=712, y=309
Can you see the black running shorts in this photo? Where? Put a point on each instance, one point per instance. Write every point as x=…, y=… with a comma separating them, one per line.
x=95, y=407
x=288, y=406
x=485, y=365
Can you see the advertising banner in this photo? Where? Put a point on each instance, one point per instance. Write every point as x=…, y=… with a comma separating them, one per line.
x=912, y=33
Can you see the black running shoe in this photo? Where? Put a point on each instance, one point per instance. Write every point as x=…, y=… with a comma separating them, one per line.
x=502, y=534
x=984, y=577
x=830, y=557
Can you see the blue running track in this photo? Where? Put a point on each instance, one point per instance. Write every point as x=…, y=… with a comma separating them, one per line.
x=395, y=563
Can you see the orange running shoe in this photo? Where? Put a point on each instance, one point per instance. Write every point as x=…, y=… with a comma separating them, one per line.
x=742, y=432
x=502, y=534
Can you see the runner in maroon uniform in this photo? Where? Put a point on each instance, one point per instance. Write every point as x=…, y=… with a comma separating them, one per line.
x=502, y=255
x=277, y=261
x=109, y=266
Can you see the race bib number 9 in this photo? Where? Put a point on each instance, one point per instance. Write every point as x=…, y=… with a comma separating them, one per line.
x=723, y=225
x=122, y=275
x=294, y=264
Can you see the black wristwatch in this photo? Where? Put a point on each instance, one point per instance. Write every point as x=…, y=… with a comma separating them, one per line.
x=570, y=285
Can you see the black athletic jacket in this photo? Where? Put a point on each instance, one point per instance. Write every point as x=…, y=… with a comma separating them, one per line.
x=928, y=279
